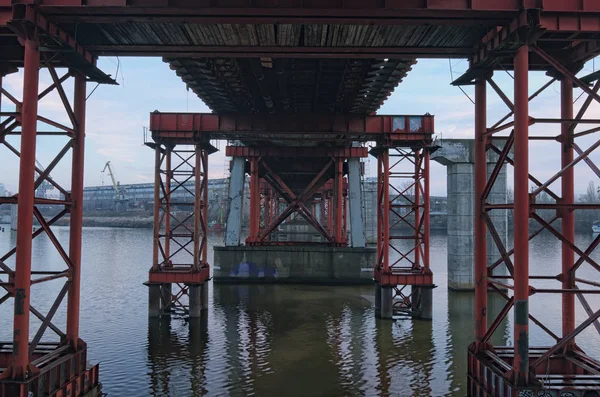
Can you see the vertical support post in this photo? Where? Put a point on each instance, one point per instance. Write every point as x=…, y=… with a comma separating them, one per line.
x=204, y=223
x=25, y=206
x=384, y=210
x=157, y=200
x=236, y=202
x=154, y=300
x=387, y=302
x=417, y=241
x=169, y=172
x=75, y=228
x=338, y=196
x=521, y=218
x=204, y=292
x=481, y=284
x=254, y=200
x=426, y=207
x=357, y=226
x=385, y=215
x=197, y=211
x=568, y=216
x=195, y=296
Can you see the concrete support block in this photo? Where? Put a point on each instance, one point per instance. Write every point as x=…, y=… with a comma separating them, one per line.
x=236, y=202
x=421, y=298
x=154, y=300
x=166, y=291
x=357, y=226
x=458, y=156
x=377, y=300
x=294, y=264
x=387, y=302
x=195, y=294
x=204, y=288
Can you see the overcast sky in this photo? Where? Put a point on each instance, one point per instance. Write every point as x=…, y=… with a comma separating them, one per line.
x=116, y=116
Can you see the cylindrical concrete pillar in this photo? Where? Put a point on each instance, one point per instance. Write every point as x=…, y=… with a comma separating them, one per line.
x=426, y=304
x=377, y=300
x=204, y=291
x=154, y=300
x=195, y=294
x=166, y=291
x=387, y=302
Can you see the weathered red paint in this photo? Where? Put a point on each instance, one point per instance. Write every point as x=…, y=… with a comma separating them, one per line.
x=20, y=365
x=76, y=218
x=480, y=254
x=568, y=216
x=521, y=218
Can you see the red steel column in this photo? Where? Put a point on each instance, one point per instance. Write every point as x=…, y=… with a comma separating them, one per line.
x=157, y=177
x=426, y=207
x=254, y=200
x=568, y=216
x=384, y=209
x=417, y=206
x=167, y=208
x=75, y=228
x=480, y=254
x=197, y=205
x=25, y=210
x=204, y=242
x=521, y=218
x=338, y=195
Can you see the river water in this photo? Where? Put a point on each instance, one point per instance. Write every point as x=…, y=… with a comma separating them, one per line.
x=275, y=339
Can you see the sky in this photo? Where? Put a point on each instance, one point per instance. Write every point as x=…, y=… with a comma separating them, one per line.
x=117, y=115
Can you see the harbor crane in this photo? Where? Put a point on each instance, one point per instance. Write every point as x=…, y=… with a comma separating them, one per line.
x=42, y=190
x=119, y=192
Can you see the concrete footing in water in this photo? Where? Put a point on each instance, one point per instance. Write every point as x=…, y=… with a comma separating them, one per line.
x=421, y=300
x=154, y=300
x=387, y=302
x=159, y=299
x=294, y=264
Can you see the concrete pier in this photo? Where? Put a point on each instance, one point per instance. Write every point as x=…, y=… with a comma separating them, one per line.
x=422, y=300
x=294, y=264
x=154, y=293
x=166, y=291
x=236, y=202
x=204, y=292
x=196, y=300
x=357, y=225
x=387, y=302
x=458, y=156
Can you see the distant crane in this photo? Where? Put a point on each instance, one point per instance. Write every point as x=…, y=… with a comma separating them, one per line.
x=119, y=193
x=41, y=191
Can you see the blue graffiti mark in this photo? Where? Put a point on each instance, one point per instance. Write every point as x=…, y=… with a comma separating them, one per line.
x=250, y=269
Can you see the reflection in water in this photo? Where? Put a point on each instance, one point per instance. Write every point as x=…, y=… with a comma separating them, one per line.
x=277, y=339
x=298, y=339
x=171, y=356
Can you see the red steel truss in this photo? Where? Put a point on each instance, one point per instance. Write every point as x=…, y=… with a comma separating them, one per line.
x=521, y=368
x=180, y=226
x=267, y=186
x=403, y=222
x=50, y=363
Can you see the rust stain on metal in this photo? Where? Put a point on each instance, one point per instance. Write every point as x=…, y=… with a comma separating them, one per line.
x=19, y=301
x=521, y=312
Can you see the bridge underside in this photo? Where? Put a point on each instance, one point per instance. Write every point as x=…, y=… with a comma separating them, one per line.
x=298, y=81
